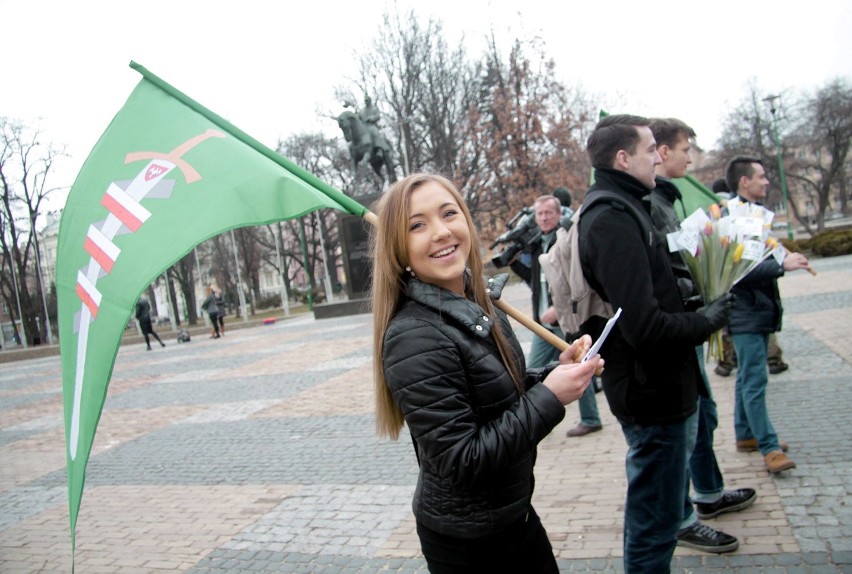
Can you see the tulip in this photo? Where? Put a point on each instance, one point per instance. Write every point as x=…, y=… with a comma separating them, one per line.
x=715, y=211
x=708, y=229
x=738, y=252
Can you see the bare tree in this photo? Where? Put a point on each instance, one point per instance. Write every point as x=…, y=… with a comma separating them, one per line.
x=184, y=273
x=25, y=167
x=531, y=130
x=825, y=132
x=815, y=134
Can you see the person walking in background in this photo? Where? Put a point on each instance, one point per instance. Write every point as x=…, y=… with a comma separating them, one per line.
x=674, y=139
x=447, y=364
x=652, y=379
x=222, y=309
x=209, y=305
x=756, y=314
x=143, y=315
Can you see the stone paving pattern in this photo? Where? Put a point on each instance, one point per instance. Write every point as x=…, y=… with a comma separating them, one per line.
x=257, y=453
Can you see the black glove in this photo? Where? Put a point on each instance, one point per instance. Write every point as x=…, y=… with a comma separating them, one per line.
x=718, y=311
x=693, y=303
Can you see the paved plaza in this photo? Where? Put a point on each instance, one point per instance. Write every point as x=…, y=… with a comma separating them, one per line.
x=257, y=453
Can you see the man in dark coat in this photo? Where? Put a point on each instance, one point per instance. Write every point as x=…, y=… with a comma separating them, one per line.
x=756, y=314
x=143, y=315
x=651, y=377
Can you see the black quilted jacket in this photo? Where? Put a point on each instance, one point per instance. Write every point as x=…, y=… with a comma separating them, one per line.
x=475, y=437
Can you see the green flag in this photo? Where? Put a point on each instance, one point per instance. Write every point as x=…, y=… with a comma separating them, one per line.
x=695, y=194
x=166, y=175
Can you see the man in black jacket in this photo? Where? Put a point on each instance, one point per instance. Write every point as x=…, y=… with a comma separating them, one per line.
x=711, y=499
x=651, y=377
x=757, y=313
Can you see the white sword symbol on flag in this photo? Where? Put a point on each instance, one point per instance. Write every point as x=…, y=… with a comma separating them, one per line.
x=124, y=211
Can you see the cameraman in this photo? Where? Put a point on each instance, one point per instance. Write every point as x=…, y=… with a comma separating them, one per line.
x=548, y=212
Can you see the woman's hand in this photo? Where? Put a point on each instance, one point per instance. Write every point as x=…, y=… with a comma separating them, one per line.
x=577, y=350
x=569, y=380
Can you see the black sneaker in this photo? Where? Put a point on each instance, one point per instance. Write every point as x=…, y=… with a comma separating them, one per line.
x=701, y=537
x=731, y=501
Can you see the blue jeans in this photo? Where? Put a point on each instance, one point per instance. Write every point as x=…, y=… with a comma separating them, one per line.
x=656, y=480
x=751, y=417
x=703, y=468
x=542, y=352
x=588, y=404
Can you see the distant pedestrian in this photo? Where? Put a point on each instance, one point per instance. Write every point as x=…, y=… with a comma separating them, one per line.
x=223, y=310
x=212, y=310
x=143, y=315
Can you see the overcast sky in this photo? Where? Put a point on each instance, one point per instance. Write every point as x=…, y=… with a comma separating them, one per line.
x=271, y=67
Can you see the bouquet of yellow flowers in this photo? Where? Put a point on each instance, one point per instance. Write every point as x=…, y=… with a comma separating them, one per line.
x=720, y=250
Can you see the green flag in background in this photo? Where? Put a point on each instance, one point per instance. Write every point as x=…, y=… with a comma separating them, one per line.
x=166, y=175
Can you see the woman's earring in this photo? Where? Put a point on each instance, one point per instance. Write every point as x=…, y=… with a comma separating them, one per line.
x=408, y=268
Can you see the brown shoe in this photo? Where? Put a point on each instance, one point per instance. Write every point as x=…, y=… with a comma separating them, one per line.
x=722, y=370
x=583, y=430
x=779, y=367
x=776, y=461
x=750, y=445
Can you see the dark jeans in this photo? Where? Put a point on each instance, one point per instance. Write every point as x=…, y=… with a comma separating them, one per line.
x=656, y=482
x=523, y=547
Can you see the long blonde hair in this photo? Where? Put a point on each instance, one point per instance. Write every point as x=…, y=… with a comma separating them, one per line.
x=390, y=257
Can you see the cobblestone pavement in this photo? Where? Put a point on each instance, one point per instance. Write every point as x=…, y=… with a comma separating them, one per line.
x=257, y=452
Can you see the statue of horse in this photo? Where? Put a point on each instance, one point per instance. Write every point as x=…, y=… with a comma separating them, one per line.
x=366, y=143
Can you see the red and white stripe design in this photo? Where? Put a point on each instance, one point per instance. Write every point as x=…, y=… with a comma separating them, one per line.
x=129, y=211
x=101, y=248
x=88, y=294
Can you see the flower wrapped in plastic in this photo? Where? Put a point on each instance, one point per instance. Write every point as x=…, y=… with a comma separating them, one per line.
x=719, y=250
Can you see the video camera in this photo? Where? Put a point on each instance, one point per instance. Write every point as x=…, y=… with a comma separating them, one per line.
x=524, y=233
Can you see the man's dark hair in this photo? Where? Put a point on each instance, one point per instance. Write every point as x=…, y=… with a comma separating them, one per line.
x=720, y=185
x=740, y=166
x=668, y=130
x=563, y=195
x=614, y=133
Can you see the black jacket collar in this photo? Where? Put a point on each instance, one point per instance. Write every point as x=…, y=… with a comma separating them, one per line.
x=613, y=179
x=462, y=310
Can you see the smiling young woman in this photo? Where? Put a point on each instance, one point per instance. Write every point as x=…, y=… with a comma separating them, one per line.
x=447, y=365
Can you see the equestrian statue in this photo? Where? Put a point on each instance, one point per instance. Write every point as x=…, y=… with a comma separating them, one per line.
x=366, y=142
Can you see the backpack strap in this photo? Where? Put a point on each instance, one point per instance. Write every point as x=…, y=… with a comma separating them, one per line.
x=619, y=201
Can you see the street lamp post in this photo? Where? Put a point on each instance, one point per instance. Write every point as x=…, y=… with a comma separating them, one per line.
x=782, y=176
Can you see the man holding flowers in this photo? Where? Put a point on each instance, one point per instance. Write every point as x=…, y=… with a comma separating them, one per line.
x=674, y=138
x=757, y=313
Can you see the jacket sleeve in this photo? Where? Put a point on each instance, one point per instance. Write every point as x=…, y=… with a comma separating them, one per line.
x=769, y=268
x=424, y=371
x=624, y=270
